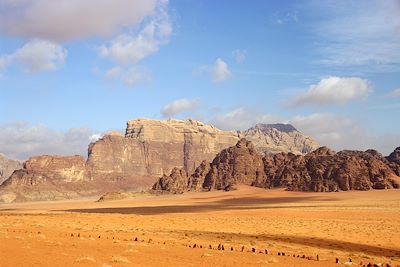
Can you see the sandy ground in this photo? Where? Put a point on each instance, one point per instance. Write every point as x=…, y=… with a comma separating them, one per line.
x=178, y=230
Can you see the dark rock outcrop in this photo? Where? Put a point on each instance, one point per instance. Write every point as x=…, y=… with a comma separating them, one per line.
x=175, y=183
x=239, y=164
x=394, y=160
x=321, y=170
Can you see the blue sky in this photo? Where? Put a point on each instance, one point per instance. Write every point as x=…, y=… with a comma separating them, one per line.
x=72, y=70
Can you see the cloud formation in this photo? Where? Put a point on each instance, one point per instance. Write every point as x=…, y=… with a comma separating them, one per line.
x=242, y=119
x=66, y=20
x=179, y=106
x=129, y=76
x=22, y=140
x=132, y=48
x=127, y=50
x=36, y=56
x=333, y=90
x=359, y=34
x=341, y=132
x=220, y=71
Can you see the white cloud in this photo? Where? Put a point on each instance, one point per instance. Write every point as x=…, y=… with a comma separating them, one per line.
x=179, y=106
x=242, y=119
x=22, y=140
x=340, y=132
x=239, y=55
x=66, y=20
x=35, y=56
x=359, y=34
x=333, y=90
x=220, y=72
x=129, y=76
x=132, y=48
x=395, y=93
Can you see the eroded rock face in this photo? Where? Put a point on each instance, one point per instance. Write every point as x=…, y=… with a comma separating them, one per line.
x=39, y=169
x=196, y=180
x=394, y=160
x=239, y=164
x=7, y=167
x=321, y=170
x=153, y=148
x=176, y=182
x=276, y=138
x=179, y=182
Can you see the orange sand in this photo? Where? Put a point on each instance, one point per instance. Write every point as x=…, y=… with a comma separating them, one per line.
x=363, y=226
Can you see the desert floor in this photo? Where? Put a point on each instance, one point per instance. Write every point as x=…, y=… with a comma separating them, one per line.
x=363, y=226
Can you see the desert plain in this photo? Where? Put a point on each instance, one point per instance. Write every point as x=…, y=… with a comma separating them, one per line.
x=283, y=228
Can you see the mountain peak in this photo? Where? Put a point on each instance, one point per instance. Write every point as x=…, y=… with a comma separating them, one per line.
x=282, y=127
x=278, y=137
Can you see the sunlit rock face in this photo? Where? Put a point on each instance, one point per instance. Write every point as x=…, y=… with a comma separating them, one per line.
x=7, y=167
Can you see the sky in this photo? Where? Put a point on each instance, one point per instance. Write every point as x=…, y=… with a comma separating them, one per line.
x=71, y=70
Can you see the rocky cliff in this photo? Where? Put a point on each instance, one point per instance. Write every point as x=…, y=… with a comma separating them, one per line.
x=239, y=164
x=322, y=170
x=275, y=138
x=7, y=167
x=149, y=149
x=394, y=160
x=153, y=147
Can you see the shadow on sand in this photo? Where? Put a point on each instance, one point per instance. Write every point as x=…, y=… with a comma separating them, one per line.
x=246, y=203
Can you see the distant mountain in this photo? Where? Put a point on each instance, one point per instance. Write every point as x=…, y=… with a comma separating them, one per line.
x=7, y=167
x=275, y=138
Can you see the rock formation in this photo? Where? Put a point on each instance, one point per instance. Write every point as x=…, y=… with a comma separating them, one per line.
x=176, y=182
x=149, y=149
x=7, y=167
x=239, y=164
x=321, y=170
x=394, y=160
x=275, y=138
x=153, y=148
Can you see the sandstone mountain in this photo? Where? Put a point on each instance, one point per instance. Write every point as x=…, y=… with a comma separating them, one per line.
x=7, y=167
x=148, y=149
x=275, y=138
x=153, y=148
x=321, y=170
x=134, y=161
